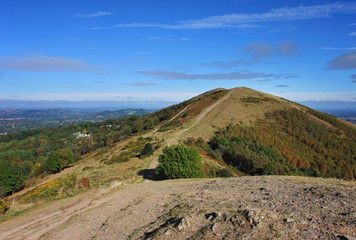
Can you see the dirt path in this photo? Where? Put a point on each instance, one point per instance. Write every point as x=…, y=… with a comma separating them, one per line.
x=177, y=134
x=49, y=216
x=173, y=137
x=235, y=208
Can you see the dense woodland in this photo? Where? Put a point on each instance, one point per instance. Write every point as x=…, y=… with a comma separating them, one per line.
x=287, y=142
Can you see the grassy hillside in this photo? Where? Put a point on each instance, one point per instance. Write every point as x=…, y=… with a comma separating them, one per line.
x=39, y=152
x=269, y=135
x=238, y=132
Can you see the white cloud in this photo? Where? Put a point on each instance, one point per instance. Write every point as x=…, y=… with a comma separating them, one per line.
x=92, y=15
x=241, y=20
x=352, y=34
x=43, y=63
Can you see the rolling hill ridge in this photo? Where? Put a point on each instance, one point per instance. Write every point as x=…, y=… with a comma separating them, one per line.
x=239, y=132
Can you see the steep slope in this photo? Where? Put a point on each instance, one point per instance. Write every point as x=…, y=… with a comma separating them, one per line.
x=244, y=106
x=258, y=133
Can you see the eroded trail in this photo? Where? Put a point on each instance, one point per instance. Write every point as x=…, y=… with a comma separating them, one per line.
x=49, y=216
x=177, y=134
x=235, y=208
x=174, y=137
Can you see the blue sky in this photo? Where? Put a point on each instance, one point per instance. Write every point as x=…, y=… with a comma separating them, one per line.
x=168, y=51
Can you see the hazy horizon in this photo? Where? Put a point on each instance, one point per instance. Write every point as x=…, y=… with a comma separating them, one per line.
x=111, y=105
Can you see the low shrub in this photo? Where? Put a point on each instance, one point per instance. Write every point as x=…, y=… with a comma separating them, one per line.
x=147, y=150
x=84, y=183
x=169, y=126
x=225, y=173
x=120, y=158
x=54, y=189
x=4, y=207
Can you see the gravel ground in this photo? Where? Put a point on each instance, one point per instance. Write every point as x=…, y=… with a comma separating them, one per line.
x=265, y=207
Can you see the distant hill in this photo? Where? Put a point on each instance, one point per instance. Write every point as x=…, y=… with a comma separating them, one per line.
x=16, y=120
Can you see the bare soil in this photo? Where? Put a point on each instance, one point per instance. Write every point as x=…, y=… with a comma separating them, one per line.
x=265, y=207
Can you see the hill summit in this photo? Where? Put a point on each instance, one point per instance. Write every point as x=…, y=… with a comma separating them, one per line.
x=239, y=132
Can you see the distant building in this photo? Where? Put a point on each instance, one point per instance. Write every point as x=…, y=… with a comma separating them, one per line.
x=80, y=135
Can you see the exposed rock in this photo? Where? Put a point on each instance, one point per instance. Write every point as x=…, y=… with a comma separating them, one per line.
x=291, y=225
x=213, y=216
x=183, y=223
x=272, y=215
x=344, y=237
x=178, y=210
x=167, y=232
x=253, y=215
x=214, y=227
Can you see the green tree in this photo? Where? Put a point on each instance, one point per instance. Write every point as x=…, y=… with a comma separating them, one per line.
x=147, y=150
x=179, y=161
x=12, y=177
x=54, y=162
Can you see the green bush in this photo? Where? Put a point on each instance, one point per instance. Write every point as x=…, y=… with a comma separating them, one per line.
x=147, y=150
x=179, y=161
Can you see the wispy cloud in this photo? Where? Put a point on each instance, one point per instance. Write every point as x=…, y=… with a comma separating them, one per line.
x=93, y=15
x=282, y=86
x=214, y=76
x=287, y=49
x=352, y=34
x=259, y=51
x=225, y=64
x=141, y=84
x=353, y=77
x=141, y=53
x=264, y=80
x=166, y=39
x=104, y=73
x=243, y=20
x=344, y=61
x=337, y=48
x=42, y=63
x=265, y=50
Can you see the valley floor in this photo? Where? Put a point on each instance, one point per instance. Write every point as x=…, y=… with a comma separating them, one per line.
x=263, y=207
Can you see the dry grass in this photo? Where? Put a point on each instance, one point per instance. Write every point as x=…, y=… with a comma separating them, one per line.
x=234, y=110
